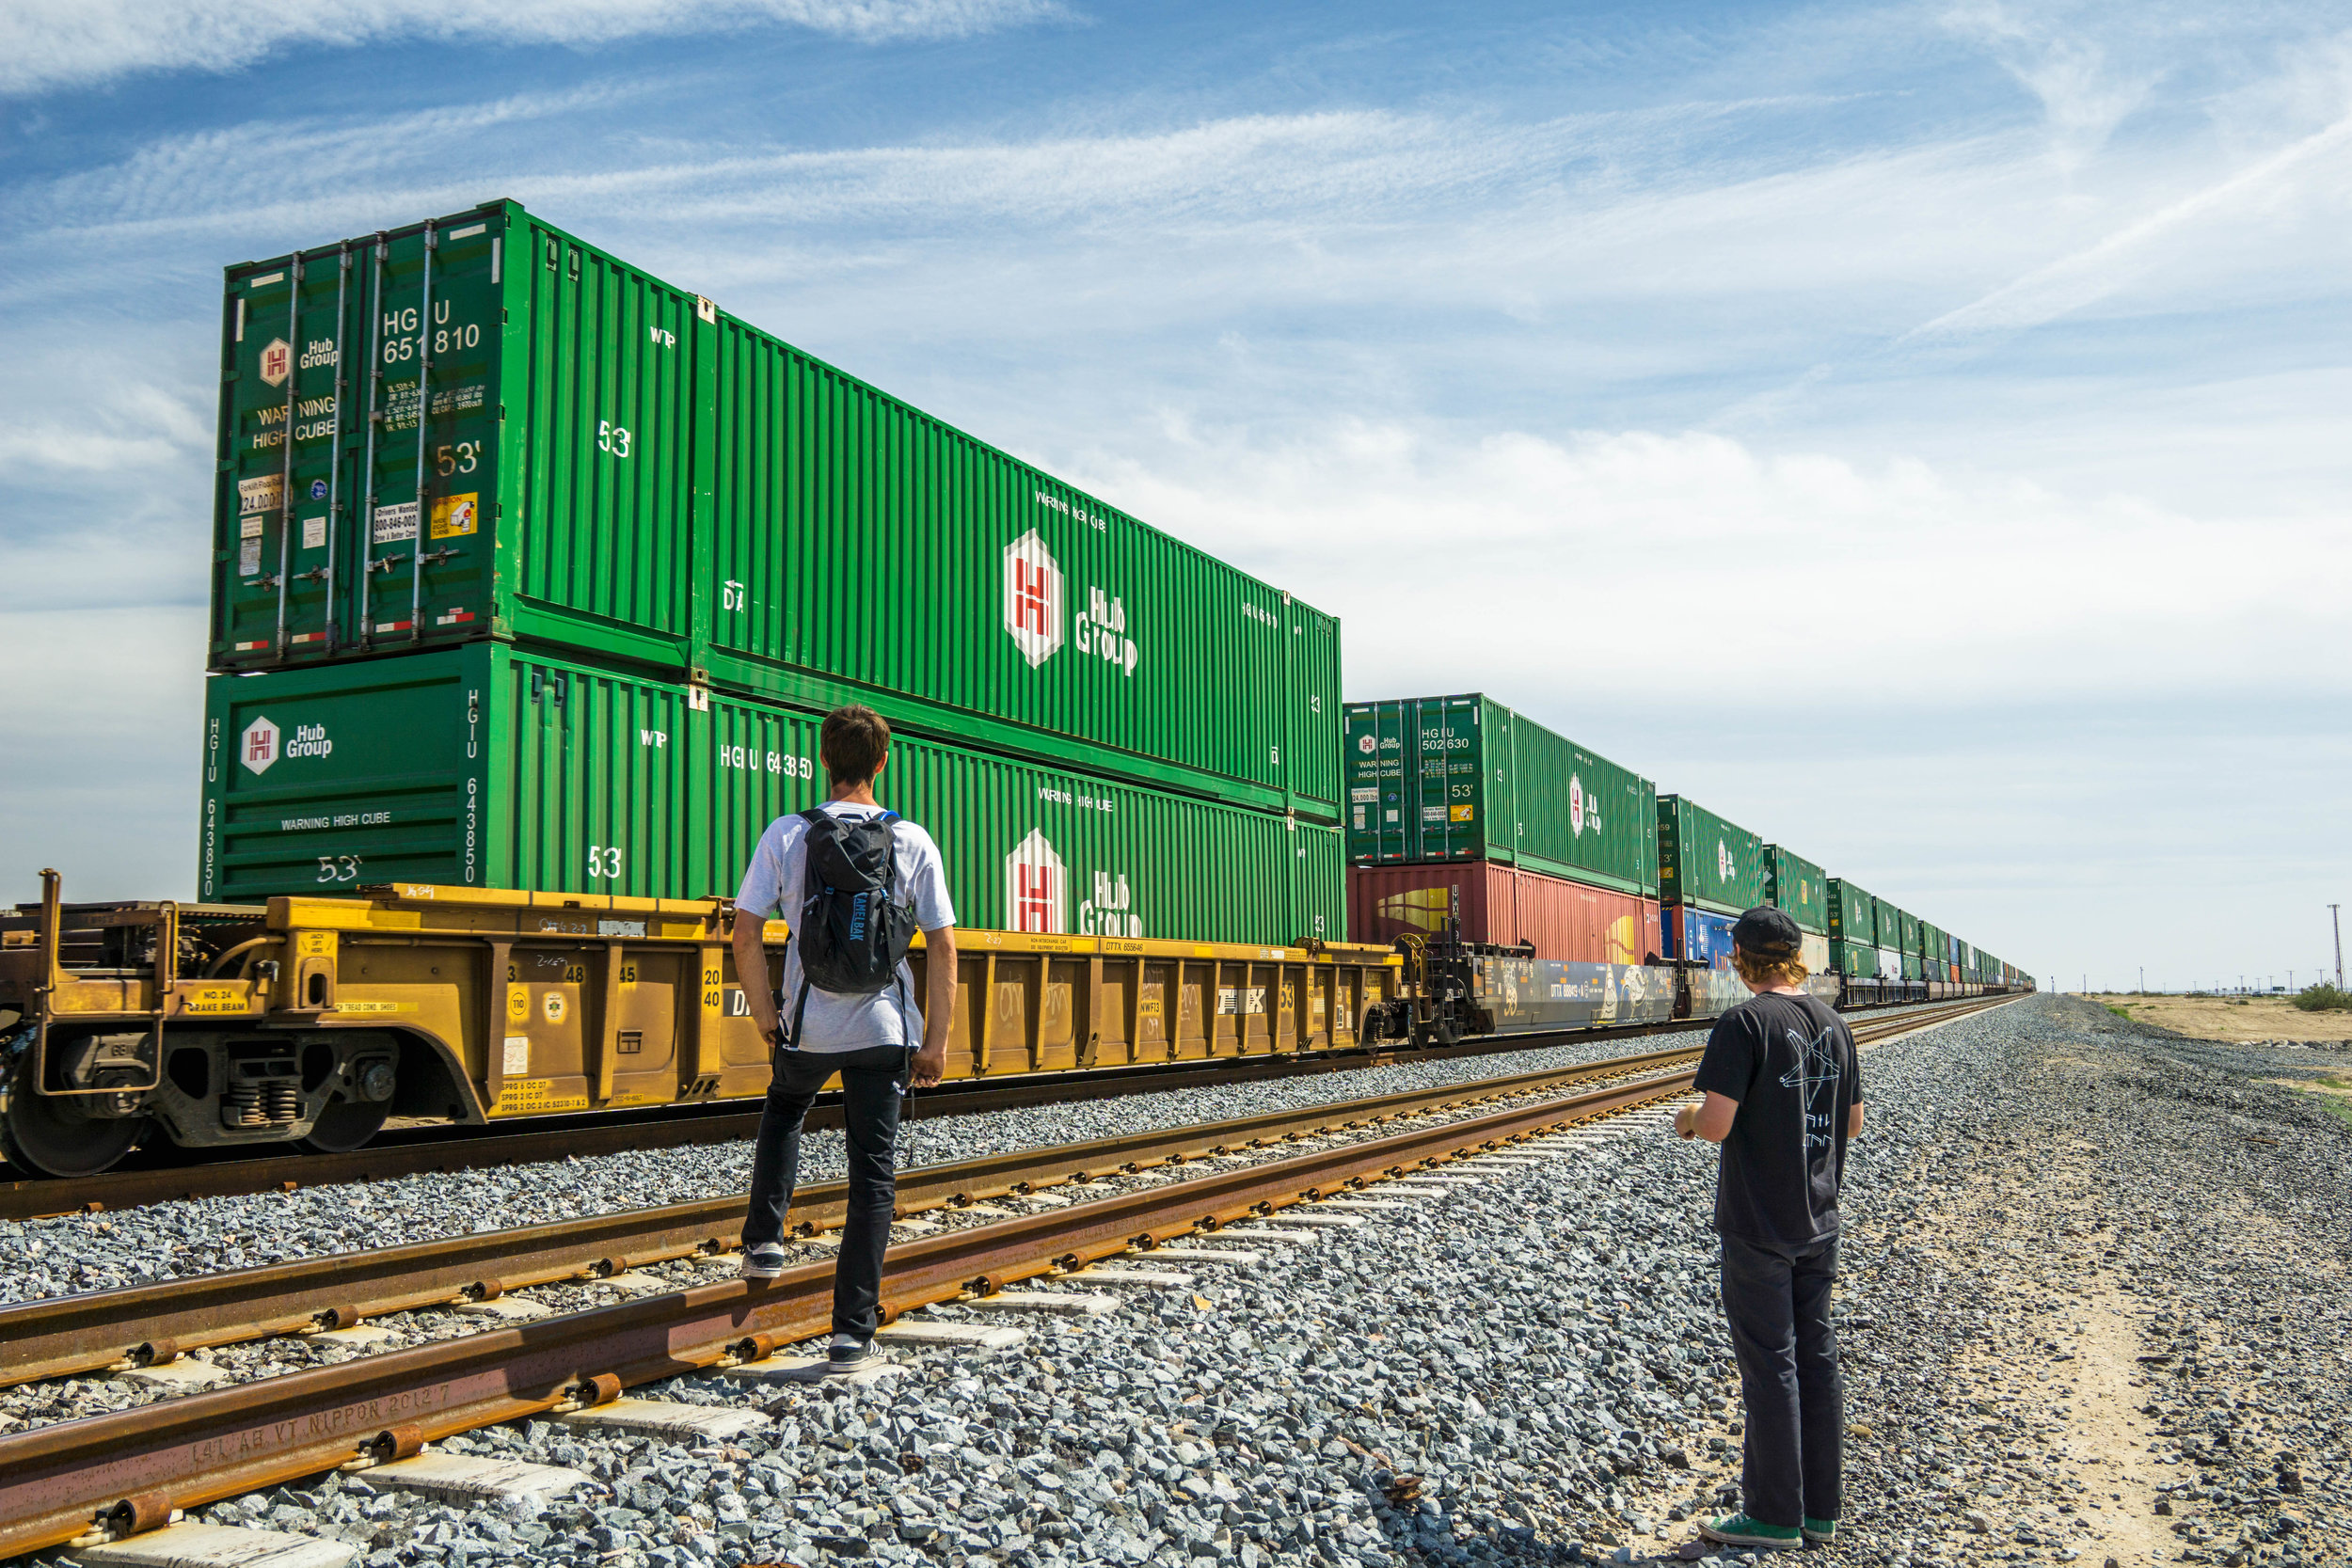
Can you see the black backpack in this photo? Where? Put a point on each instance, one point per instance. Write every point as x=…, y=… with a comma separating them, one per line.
x=852, y=931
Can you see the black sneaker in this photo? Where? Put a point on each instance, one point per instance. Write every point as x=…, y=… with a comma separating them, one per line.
x=841, y=1359
x=764, y=1261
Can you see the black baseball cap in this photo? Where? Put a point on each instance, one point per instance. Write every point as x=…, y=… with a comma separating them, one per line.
x=1768, y=933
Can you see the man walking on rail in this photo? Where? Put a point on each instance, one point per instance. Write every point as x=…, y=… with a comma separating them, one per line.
x=1784, y=1093
x=855, y=881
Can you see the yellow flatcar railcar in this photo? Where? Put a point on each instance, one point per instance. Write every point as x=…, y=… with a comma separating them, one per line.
x=314, y=1020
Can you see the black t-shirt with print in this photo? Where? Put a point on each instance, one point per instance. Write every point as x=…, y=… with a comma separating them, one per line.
x=1789, y=1062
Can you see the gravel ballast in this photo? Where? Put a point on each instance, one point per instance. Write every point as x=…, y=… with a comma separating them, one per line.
x=2090, y=1271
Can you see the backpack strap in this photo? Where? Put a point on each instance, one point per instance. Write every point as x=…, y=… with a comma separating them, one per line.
x=799, y=1008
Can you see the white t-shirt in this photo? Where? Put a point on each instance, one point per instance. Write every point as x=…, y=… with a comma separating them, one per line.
x=772, y=887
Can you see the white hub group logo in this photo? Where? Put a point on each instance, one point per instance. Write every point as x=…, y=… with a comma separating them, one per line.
x=1576, y=806
x=1033, y=886
x=1367, y=743
x=258, y=747
x=1034, y=595
x=1111, y=911
x=262, y=743
x=1033, y=598
x=276, y=361
x=1723, y=861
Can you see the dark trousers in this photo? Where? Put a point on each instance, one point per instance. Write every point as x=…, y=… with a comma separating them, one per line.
x=871, y=1082
x=1777, y=1303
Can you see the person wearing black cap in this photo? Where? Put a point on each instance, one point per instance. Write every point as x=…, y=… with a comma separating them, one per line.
x=1784, y=1093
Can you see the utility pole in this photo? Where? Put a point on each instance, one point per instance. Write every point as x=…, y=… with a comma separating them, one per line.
x=2143, y=979
x=2337, y=920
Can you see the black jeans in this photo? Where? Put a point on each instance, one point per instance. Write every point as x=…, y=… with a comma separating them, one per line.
x=1777, y=1303
x=872, y=1080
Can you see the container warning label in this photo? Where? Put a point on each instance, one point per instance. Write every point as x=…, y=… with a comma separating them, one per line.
x=1462, y=813
x=314, y=533
x=395, y=523
x=516, y=1060
x=249, y=525
x=454, y=515
x=250, y=558
x=261, y=494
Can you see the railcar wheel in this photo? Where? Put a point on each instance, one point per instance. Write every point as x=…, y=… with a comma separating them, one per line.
x=56, y=1136
x=344, y=1126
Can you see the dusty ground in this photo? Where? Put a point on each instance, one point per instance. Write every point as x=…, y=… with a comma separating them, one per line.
x=2215, y=1018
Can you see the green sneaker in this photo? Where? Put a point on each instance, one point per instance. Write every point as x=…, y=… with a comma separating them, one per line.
x=1738, y=1530
x=1821, y=1531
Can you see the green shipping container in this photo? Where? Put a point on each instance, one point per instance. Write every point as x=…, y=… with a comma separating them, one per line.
x=1858, y=959
x=1932, y=949
x=1907, y=936
x=1465, y=778
x=499, y=431
x=1911, y=966
x=1852, y=914
x=1797, y=886
x=1890, y=925
x=483, y=766
x=1704, y=861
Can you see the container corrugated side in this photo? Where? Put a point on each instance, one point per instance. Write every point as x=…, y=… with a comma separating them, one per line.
x=1852, y=914
x=1503, y=905
x=857, y=538
x=1798, y=887
x=1465, y=778
x=485, y=767
x=1704, y=861
x=1854, y=958
x=611, y=468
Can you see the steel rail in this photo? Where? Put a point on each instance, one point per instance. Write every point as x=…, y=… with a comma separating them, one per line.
x=425, y=1152
x=146, y=1324
x=132, y=1469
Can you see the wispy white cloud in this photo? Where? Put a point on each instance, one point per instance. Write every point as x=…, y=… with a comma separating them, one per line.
x=48, y=44
x=2097, y=271
x=2084, y=92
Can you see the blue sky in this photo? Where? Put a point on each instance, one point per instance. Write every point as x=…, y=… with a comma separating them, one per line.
x=1917, y=432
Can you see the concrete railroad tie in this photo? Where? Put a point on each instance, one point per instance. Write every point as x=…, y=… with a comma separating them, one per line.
x=193, y=1545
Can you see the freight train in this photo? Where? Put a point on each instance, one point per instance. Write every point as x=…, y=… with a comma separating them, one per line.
x=532, y=576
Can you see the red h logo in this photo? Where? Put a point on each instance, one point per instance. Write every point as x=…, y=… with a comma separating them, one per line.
x=1028, y=597
x=1033, y=898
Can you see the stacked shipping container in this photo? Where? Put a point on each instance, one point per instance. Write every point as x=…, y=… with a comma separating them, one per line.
x=481, y=434
x=1460, y=809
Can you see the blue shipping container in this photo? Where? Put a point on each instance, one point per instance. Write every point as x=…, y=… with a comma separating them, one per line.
x=1690, y=934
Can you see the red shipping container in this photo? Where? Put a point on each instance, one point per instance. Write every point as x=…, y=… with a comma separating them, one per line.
x=1503, y=905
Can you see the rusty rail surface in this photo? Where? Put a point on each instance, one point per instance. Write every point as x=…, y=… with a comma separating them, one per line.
x=132, y=1469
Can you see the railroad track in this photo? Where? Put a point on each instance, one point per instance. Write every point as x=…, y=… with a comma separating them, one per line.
x=427, y=1152
x=126, y=1472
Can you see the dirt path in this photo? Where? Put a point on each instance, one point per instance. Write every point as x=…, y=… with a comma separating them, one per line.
x=2233, y=1018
